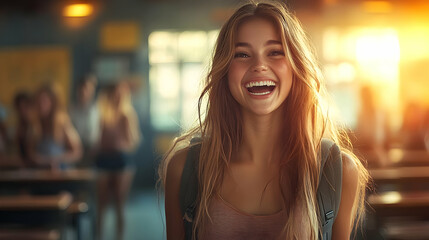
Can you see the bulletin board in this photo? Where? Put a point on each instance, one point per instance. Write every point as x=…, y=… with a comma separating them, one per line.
x=120, y=36
x=27, y=68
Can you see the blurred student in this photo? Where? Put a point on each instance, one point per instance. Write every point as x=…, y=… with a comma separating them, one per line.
x=426, y=129
x=24, y=128
x=413, y=130
x=371, y=130
x=4, y=139
x=57, y=144
x=120, y=135
x=85, y=118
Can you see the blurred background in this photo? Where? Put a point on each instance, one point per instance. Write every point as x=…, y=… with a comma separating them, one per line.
x=374, y=56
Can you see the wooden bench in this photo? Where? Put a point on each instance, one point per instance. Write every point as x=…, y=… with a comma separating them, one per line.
x=81, y=183
x=407, y=158
x=29, y=234
x=415, y=203
x=78, y=207
x=407, y=231
x=30, y=211
x=409, y=211
x=401, y=178
x=30, y=202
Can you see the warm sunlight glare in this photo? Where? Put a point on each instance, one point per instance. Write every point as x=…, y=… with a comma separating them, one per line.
x=377, y=6
x=378, y=53
x=391, y=197
x=78, y=10
x=378, y=47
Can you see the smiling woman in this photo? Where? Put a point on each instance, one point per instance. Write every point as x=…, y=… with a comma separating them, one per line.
x=254, y=167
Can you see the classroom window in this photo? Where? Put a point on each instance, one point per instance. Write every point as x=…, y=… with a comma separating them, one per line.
x=178, y=62
x=361, y=56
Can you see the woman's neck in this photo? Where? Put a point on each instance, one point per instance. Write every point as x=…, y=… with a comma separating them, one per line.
x=261, y=137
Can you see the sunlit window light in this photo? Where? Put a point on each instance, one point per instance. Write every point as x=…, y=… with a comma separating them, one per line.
x=177, y=66
x=78, y=10
x=374, y=46
x=378, y=53
x=346, y=72
x=396, y=154
x=331, y=38
x=377, y=6
x=391, y=197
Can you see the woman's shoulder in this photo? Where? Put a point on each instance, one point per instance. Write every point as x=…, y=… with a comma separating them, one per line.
x=62, y=118
x=350, y=167
x=176, y=165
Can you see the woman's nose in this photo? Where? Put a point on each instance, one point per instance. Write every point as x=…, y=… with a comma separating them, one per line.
x=259, y=66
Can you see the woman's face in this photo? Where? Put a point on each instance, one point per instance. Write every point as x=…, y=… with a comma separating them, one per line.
x=116, y=97
x=259, y=77
x=86, y=92
x=24, y=109
x=44, y=104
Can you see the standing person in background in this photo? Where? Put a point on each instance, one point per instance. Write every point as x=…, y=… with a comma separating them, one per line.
x=24, y=130
x=85, y=118
x=120, y=135
x=57, y=143
x=412, y=132
x=258, y=163
x=4, y=139
x=371, y=130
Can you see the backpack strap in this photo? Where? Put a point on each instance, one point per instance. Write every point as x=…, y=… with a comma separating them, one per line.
x=189, y=188
x=329, y=189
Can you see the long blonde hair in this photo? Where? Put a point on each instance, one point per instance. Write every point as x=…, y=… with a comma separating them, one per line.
x=221, y=129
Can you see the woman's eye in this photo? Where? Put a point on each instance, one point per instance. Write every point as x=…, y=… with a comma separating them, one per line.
x=241, y=55
x=277, y=53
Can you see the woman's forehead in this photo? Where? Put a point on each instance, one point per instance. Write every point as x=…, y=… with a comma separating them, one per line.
x=257, y=29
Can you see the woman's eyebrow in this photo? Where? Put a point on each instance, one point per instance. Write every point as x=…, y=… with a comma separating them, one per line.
x=242, y=44
x=273, y=42
x=269, y=42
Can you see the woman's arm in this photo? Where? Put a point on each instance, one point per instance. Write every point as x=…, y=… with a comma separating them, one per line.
x=72, y=142
x=173, y=214
x=131, y=129
x=39, y=159
x=343, y=223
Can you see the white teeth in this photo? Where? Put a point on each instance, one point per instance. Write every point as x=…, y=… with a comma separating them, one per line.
x=260, y=83
x=262, y=93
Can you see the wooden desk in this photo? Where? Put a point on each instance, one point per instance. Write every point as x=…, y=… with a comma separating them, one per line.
x=27, y=211
x=403, y=158
x=395, y=199
x=404, y=179
x=401, y=213
x=396, y=203
x=80, y=182
x=401, y=174
x=30, y=202
x=44, y=175
x=45, y=181
x=29, y=234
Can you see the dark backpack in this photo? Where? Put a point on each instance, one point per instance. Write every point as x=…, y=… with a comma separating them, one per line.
x=328, y=191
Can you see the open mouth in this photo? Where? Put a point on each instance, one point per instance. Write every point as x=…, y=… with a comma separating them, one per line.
x=259, y=88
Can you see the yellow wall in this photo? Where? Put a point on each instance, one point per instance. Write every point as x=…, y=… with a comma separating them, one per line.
x=27, y=68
